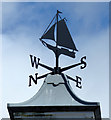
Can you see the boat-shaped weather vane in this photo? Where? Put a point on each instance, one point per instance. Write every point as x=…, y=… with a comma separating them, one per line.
x=64, y=45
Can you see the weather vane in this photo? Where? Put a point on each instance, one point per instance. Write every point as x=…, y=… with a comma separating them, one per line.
x=56, y=99
x=59, y=33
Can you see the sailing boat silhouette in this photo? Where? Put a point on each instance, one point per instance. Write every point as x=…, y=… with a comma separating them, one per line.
x=63, y=39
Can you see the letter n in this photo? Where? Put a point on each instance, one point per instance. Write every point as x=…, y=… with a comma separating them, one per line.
x=32, y=78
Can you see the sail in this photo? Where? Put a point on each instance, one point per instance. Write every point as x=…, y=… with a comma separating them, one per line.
x=49, y=34
x=64, y=37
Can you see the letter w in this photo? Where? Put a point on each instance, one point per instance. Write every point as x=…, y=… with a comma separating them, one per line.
x=34, y=62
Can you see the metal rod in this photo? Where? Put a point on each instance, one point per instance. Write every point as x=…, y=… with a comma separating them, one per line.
x=45, y=66
x=57, y=57
x=71, y=78
x=69, y=67
x=42, y=76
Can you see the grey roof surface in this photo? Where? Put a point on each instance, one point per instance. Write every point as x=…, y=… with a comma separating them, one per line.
x=55, y=91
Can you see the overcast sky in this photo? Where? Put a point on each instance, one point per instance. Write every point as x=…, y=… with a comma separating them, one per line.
x=23, y=25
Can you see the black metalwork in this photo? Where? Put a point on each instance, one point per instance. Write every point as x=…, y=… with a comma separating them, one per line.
x=64, y=42
x=41, y=109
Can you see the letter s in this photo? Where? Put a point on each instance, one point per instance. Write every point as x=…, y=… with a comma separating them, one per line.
x=83, y=62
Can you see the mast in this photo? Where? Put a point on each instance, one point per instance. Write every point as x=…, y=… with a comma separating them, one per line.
x=57, y=57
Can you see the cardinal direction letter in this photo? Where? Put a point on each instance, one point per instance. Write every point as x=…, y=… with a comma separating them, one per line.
x=83, y=62
x=34, y=61
x=32, y=78
x=78, y=82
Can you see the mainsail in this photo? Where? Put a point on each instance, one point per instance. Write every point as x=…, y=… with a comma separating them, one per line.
x=64, y=37
x=64, y=41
